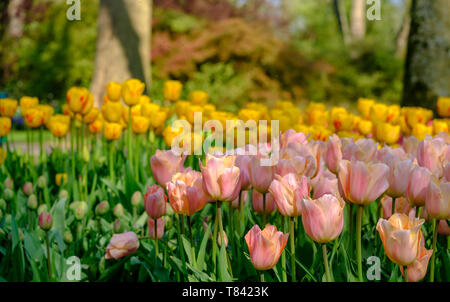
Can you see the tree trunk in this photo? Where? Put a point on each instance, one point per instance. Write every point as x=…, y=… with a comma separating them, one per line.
x=123, y=44
x=16, y=15
x=427, y=69
x=358, y=19
x=341, y=16
x=401, y=40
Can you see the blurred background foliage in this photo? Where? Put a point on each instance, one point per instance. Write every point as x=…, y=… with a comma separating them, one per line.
x=237, y=51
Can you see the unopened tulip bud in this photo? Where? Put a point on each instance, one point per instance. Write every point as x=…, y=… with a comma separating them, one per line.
x=86, y=155
x=8, y=194
x=219, y=239
x=45, y=221
x=9, y=183
x=136, y=199
x=102, y=208
x=63, y=194
x=2, y=204
x=118, y=210
x=42, y=208
x=41, y=182
x=68, y=237
x=117, y=226
x=32, y=202
x=81, y=210
x=28, y=188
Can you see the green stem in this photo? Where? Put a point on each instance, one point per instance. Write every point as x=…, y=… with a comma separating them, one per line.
x=406, y=274
x=180, y=243
x=137, y=159
x=41, y=142
x=239, y=214
x=222, y=234
x=191, y=237
x=49, y=263
x=283, y=254
x=129, y=154
x=111, y=161
x=156, y=239
x=358, y=241
x=292, y=240
x=433, y=257
x=325, y=262
x=214, y=243
x=262, y=276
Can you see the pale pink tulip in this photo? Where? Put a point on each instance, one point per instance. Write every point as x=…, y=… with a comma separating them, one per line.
x=447, y=171
x=437, y=202
x=323, y=218
x=292, y=162
x=165, y=164
x=288, y=191
x=243, y=163
x=386, y=204
x=260, y=176
x=430, y=154
x=221, y=178
x=418, y=182
x=410, y=146
x=160, y=227
x=121, y=245
x=334, y=153
x=418, y=269
x=324, y=183
x=155, y=202
x=363, y=149
x=265, y=246
x=362, y=183
x=443, y=228
x=291, y=137
x=257, y=203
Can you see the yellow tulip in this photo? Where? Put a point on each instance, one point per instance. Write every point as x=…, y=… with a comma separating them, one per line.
x=58, y=128
x=144, y=99
x=320, y=133
x=172, y=90
x=158, y=119
x=91, y=116
x=112, y=111
x=66, y=110
x=26, y=103
x=439, y=126
x=34, y=118
x=393, y=114
x=5, y=126
x=132, y=90
x=282, y=118
x=313, y=106
x=417, y=115
x=198, y=97
x=342, y=121
x=284, y=105
x=364, y=127
x=181, y=108
x=8, y=107
x=443, y=106
x=139, y=124
x=96, y=126
x=249, y=115
x=61, y=179
x=302, y=128
x=61, y=118
x=77, y=98
x=364, y=106
x=170, y=133
x=378, y=113
x=191, y=110
x=112, y=131
x=114, y=91
x=421, y=130
x=387, y=133
x=208, y=109
x=89, y=105
x=47, y=110
x=148, y=110
x=136, y=110
x=317, y=117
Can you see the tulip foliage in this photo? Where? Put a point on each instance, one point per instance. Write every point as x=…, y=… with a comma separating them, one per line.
x=109, y=192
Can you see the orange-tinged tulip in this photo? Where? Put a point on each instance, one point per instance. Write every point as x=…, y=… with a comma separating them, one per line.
x=47, y=110
x=221, y=178
x=265, y=246
x=260, y=176
x=114, y=91
x=58, y=128
x=198, y=97
x=160, y=227
x=34, y=118
x=96, y=126
x=132, y=90
x=139, y=124
x=112, y=131
x=165, y=164
x=323, y=218
x=400, y=235
x=418, y=269
x=393, y=114
x=66, y=110
x=89, y=105
x=419, y=180
x=439, y=126
x=219, y=239
x=61, y=179
x=5, y=126
x=91, y=116
x=155, y=202
x=437, y=202
x=288, y=191
x=258, y=203
x=122, y=245
x=362, y=183
x=77, y=98
x=172, y=90
x=186, y=194
x=26, y=103
x=112, y=111
x=8, y=107
x=443, y=106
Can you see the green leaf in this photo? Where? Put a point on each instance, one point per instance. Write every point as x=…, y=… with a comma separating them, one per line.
x=201, y=253
x=224, y=275
x=33, y=247
x=188, y=250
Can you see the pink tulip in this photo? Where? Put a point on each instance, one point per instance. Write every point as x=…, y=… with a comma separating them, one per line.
x=418, y=185
x=410, y=146
x=165, y=164
x=418, y=269
x=290, y=137
x=265, y=246
x=437, y=201
x=362, y=183
x=257, y=203
x=430, y=154
x=324, y=183
x=334, y=153
x=323, y=218
x=386, y=204
x=235, y=203
x=121, y=245
x=288, y=191
x=160, y=227
x=401, y=238
x=447, y=171
x=221, y=178
x=155, y=202
x=363, y=149
x=292, y=162
x=260, y=176
x=186, y=194
x=443, y=228
x=398, y=176
x=45, y=221
x=219, y=239
x=243, y=163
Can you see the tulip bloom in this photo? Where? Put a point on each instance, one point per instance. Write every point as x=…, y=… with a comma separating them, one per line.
x=132, y=90
x=430, y=154
x=121, y=245
x=401, y=238
x=155, y=202
x=334, y=153
x=243, y=163
x=324, y=183
x=26, y=103
x=77, y=98
x=260, y=176
x=112, y=111
x=418, y=269
x=8, y=107
x=398, y=175
x=437, y=201
x=361, y=150
x=60, y=179
x=5, y=126
x=114, y=91
x=265, y=246
x=198, y=97
x=91, y=116
x=419, y=180
x=165, y=164
x=258, y=203
x=288, y=191
x=159, y=228
x=323, y=218
x=362, y=183
x=140, y=124
x=443, y=228
x=172, y=90
x=45, y=221
x=112, y=131
x=221, y=178
x=186, y=195
x=34, y=118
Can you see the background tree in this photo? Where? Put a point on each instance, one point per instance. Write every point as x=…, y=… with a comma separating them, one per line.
x=123, y=44
x=427, y=69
